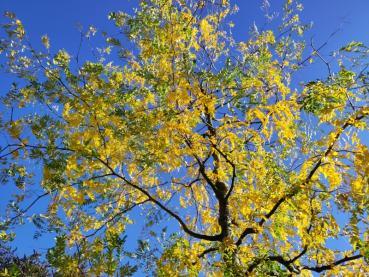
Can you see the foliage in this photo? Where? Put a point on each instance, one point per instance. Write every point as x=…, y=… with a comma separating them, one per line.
x=12, y=265
x=176, y=120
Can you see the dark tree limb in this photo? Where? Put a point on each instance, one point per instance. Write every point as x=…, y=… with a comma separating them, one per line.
x=184, y=226
x=114, y=217
x=322, y=268
x=359, y=116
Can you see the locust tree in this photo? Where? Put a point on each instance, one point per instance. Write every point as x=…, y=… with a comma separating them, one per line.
x=177, y=124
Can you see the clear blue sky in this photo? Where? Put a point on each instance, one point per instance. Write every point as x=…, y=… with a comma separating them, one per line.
x=59, y=20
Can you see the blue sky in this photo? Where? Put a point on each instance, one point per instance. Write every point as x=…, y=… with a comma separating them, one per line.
x=60, y=21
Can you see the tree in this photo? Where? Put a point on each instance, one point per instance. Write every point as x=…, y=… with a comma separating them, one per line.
x=176, y=119
x=12, y=265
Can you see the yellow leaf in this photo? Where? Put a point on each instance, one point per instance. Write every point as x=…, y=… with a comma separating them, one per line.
x=45, y=41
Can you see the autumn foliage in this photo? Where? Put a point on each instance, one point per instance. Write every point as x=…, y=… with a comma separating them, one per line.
x=176, y=124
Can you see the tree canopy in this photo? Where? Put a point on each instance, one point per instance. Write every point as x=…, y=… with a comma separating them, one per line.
x=12, y=265
x=234, y=168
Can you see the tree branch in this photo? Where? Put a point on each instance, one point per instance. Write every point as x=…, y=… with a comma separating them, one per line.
x=114, y=217
x=359, y=115
x=163, y=207
x=332, y=265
